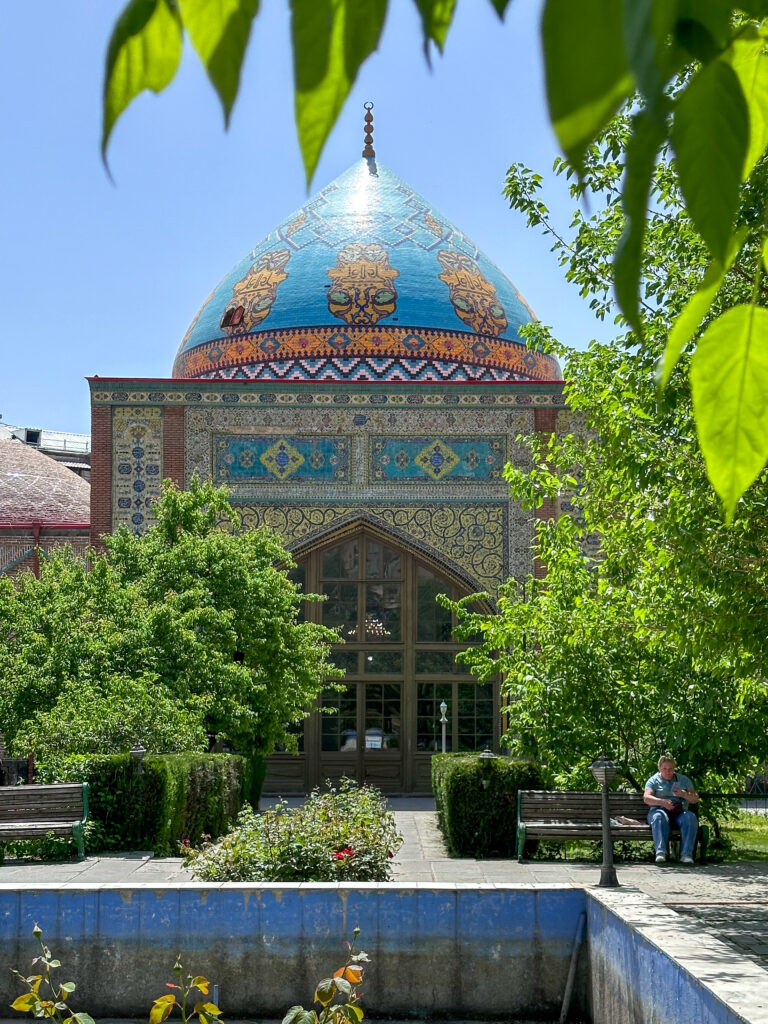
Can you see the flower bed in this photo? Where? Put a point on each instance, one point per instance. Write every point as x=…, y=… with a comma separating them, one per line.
x=346, y=834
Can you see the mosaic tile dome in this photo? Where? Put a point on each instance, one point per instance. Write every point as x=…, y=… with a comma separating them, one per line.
x=367, y=281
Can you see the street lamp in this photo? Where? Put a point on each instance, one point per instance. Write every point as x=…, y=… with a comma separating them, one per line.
x=604, y=770
x=137, y=756
x=485, y=761
x=443, y=720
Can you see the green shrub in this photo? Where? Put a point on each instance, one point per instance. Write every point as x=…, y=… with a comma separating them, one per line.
x=476, y=802
x=176, y=797
x=347, y=834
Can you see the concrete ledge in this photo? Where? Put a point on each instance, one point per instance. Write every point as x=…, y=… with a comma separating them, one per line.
x=648, y=964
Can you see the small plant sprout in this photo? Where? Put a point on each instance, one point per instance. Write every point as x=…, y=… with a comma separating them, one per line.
x=343, y=987
x=206, y=1012
x=46, y=997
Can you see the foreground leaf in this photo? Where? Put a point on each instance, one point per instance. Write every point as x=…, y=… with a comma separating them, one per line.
x=643, y=146
x=751, y=66
x=436, y=17
x=729, y=384
x=143, y=53
x=25, y=1002
x=697, y=306
x=710, y=135
x=331, y=39
x=219, y=31
x=587, y=73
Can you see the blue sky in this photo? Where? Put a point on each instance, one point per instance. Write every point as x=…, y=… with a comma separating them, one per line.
x=103, y=278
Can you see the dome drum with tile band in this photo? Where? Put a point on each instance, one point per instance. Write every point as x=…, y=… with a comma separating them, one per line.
x=358, y=382
x=366, y=282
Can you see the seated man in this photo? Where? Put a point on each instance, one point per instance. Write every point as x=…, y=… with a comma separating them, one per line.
x=668, y=795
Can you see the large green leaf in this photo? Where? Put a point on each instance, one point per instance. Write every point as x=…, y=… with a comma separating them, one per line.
x=696, y=308
x=219, y=31
x=748, y=60
x=436, y=17
x=647, y=135
x=143, y=53
x=729, y=384
x=501, y=6
x=331, y=39
x=710, y=135
x=587, y=73
x=647, y=25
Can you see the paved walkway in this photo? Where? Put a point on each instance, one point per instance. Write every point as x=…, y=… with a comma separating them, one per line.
x=730, y=900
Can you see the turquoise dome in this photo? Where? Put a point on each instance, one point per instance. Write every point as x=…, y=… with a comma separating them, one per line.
x=366, y=281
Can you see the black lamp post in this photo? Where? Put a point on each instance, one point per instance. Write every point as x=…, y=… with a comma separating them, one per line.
x=604, y=770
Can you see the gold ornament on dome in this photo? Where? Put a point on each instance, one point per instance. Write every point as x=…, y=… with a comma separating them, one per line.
x=472, y=296
x=362, y=291
x=257, y=291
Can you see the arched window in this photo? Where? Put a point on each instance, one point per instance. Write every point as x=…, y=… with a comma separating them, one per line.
x=399, y=656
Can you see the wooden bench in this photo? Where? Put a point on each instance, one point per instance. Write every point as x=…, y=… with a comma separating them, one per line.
x=33, y=812
x=561, y=816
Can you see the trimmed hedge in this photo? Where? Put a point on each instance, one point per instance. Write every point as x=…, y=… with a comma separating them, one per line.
x=477, y=802
x=176, y=797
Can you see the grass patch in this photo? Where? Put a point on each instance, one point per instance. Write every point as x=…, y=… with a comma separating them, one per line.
x=746, y=835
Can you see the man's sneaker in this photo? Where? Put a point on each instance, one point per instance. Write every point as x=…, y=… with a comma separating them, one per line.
x=685, y=859
x=661, y=858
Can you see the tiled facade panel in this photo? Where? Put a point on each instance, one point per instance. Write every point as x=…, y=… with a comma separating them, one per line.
x=426, y=465
x=137, y=465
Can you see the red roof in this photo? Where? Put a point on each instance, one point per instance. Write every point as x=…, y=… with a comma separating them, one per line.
x=36, y=489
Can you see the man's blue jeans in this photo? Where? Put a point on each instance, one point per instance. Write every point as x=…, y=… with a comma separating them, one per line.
x=686, y=821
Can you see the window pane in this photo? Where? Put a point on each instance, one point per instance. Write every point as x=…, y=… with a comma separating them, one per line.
x=340, y=608
x=434, y=662
x=340, y=729
x=382, y=611
x=433, y=622
x=386, y=662
x=341, y=562
x=382, y=717
x=428, y=727
x=345, y=659
x=381, y=562
x=298, y=575
x=475, y=712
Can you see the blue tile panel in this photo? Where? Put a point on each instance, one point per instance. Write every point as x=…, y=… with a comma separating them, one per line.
x=366, y=281
x=436, y=950
x=237, y=459
x=137, y=465
x=437, y=459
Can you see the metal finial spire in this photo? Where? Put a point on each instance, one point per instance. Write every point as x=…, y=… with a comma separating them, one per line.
x=368, y=150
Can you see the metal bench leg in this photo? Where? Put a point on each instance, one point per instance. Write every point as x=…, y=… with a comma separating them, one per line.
x=77, y=832
x=520, y=841
x=702, y=838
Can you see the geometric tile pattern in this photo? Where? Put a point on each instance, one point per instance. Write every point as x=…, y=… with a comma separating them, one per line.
x=239, y=458
x=365, y=353
x=467, y=536
x=437, y=459
x=326, y=393
x=137, y=465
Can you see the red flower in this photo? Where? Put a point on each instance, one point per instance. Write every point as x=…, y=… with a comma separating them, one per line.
x=344, y=854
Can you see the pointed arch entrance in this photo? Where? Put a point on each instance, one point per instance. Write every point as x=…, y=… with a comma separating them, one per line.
x=399, y=656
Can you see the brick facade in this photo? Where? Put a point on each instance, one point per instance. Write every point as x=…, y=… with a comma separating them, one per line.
x=101, y=472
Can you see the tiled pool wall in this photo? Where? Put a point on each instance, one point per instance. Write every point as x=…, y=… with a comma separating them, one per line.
x=479, y=952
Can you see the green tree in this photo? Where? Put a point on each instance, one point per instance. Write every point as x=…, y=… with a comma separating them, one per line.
x=647, y=633
x=598, y=53
x=188, y=630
